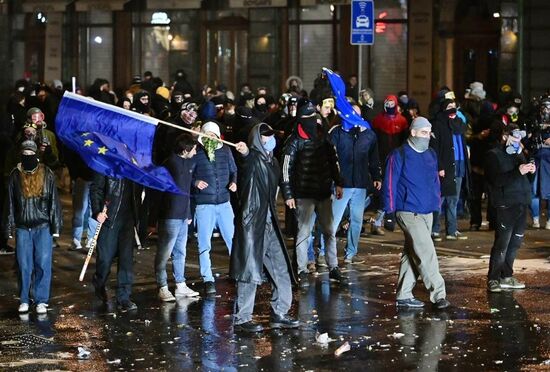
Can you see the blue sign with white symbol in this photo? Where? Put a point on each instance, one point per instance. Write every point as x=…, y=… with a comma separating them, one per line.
x=362, y=22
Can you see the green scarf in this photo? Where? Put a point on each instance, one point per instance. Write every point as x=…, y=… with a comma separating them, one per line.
x=210, y=146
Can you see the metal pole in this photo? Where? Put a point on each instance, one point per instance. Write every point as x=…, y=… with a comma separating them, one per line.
x=360, y=71
x=521, y=40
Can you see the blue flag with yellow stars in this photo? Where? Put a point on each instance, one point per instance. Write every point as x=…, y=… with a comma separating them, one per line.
x=112, y=141
x=349, y=117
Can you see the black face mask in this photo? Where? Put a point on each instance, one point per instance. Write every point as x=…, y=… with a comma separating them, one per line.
x=29, y=162
x=390, y=110
x=309, y=125
x=261, y=107
x=450, y=112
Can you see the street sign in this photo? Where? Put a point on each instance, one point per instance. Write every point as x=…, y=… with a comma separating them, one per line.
x=362, y=22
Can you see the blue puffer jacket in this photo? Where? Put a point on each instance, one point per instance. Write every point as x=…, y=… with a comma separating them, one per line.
x=412, y=184
x=358, y=156
x=217, y=174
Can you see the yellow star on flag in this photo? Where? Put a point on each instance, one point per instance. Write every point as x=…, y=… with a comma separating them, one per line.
x=134, y=161
x=85, y=134
x=88, y=143
x=102, y=150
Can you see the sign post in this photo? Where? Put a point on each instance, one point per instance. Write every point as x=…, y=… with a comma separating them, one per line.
x=361, y=30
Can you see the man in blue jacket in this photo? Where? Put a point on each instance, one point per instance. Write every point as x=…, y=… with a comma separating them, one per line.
x=357, y=152
x=412, y=190
x=214, y=176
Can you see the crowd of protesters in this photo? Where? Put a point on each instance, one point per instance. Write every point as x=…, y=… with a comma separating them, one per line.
x=412, y=168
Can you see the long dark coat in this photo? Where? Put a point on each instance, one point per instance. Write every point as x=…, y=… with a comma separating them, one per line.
x=259, y=175
x=442, y=143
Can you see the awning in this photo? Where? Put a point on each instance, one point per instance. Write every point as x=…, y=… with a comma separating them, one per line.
x=257, y=3
x=173, y=4
x=33, y=6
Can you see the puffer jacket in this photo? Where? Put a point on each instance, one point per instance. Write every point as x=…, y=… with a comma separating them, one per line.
x=310, y=167
x=106, y=189
x=21, y=212
x=218, y=174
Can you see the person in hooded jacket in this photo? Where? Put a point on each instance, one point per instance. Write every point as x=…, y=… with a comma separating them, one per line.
x=449, y=143
x=258, y=243
x=310, y=169
x=142, y=103
x=260, y=108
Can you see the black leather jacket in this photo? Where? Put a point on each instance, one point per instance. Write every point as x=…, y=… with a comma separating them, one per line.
x=106, y=189
x=21, y=212
x=309, y=168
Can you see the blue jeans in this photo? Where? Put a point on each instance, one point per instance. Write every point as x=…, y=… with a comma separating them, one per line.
x=315, y=236
x=450, y=211
x=208, y=216
x=535, y=200
x=33, y=249
x=358, y=201
x=82, y=210
x=172, y=241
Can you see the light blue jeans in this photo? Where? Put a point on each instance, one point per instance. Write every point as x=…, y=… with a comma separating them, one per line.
x=82, y=210
x=207, y=217
x=535, y=200
x=33, y=248
x=357, y=200
x=172, y=241
x=450, y=211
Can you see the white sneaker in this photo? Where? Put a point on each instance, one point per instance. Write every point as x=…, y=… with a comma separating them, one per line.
x=23, y=308
x=41, y=308
x=76, y=244
x=536, y=223
x=182, y=290
x=165, y=295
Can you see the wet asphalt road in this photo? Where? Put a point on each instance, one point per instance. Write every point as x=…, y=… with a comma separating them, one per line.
x=480, y=331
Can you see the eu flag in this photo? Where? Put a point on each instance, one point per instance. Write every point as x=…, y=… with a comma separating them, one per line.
x=348, y=115
x=112, y=141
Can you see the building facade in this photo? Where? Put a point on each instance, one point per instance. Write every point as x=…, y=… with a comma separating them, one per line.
x=419, y=45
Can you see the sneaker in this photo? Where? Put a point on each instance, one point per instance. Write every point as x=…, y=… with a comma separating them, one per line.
x=377, y=230
x=456, y=236
x=165, y=295
x=410, y=302
x=335, y=275
x=209, y=288
x=353, y=260
x=23, y=308
x=7, y=250
x=216, y=234
x=126, y=305
x=547, y=226
x=536, y=223
x=182, y=290
x=311, y=267
x=76, y=245
x=436, y=237
x=511, y=283
x=284, y=321
x=474, y=227
x=303, y=279
x=494, y=286
x=321, y=262
x=441, y=304
x=41, y=308
x=248, y=327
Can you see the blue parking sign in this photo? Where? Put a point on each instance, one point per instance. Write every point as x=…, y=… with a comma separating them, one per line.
x=362, y=22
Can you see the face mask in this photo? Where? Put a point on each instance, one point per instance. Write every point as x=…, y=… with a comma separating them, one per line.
x=513, y=148
x=29, y=162
x=451, y=113
x=513, y=117
x=390, y=110
x=261, y=107
x=420, y=144
x=270, y=144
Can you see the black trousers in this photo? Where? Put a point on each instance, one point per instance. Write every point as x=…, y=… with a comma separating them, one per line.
x=116, y=241
x=509, y=232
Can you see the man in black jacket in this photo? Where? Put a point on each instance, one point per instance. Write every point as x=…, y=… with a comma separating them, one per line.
x=510, y=195
x=117, y=235
x=310, y=169
x=258, y=240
